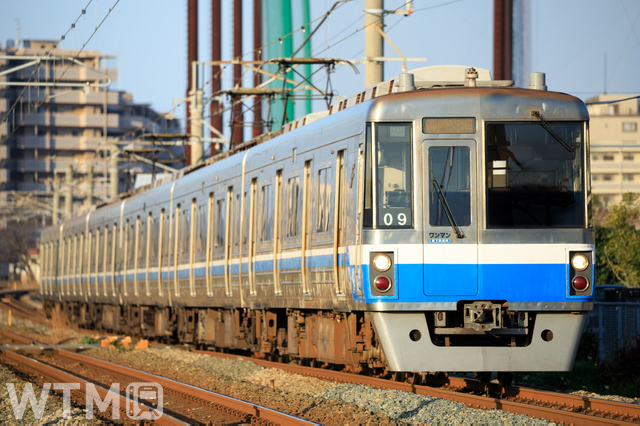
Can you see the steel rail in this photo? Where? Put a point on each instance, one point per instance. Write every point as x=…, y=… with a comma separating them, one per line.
x=252, y=409
x=578, y=402
x=474, y=401
x=60, y=376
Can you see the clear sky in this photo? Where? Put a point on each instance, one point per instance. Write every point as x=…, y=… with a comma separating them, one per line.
x=569, y=39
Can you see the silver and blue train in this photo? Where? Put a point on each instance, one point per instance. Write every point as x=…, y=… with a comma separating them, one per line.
x=439, y=221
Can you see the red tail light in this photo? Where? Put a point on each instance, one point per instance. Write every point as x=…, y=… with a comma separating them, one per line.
x=580, y=283
x=382, y=283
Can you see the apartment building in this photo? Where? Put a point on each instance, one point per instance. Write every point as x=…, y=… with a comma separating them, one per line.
x=615, y=147
x=76, y=127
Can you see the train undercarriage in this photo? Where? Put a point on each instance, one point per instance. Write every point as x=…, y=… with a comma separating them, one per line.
x=311, y=337
x=346, y=341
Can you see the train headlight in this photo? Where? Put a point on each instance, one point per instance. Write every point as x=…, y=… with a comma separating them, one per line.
x=382, y=283
x=382, y=263
x=579, y=262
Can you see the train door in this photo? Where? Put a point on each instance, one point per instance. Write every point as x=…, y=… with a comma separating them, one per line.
x=252, y=236
x=340, y=263
x=450, y=212
x=228, y=241
x=277, y=261
x=306, y=225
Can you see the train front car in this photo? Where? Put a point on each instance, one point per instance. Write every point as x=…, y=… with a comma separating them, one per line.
x=478, y=250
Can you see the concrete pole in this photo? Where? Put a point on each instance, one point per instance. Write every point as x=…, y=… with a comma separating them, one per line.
x=216, y=55
x=502, y=39
x=114, y=179
x=68, y=198
x=373, y=42
x=257, y=78
x=195, y=141
x=238, y=119
x=56, y=200
x=192, y=56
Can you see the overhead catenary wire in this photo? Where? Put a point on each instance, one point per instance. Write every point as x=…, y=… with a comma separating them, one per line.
x=48, y=53
x=223, y=68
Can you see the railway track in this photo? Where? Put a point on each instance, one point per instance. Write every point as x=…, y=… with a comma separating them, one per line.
x=551, y=406
x=180, y=402
x=10, y=300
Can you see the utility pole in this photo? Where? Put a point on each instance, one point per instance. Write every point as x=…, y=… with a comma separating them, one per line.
x=196, y=140
x=502, y=39
x=373, y=42
x=192, y=56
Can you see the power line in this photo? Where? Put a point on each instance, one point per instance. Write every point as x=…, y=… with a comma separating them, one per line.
x=48, y=53
x=613, y=101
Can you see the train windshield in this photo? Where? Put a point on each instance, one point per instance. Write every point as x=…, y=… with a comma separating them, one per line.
x=390, y=169
x=535, y=175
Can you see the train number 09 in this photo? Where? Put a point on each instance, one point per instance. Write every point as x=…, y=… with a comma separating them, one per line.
x=401, y=219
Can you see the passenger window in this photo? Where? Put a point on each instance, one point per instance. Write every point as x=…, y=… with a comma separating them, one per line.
x=220, y=216
x=324, y=200
x=293, y=192
x=266, y=213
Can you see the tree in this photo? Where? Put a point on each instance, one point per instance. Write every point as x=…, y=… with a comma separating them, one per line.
x=15, y=241
x=618, y=244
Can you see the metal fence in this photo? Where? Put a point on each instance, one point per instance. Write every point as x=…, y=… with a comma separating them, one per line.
x=615, y=324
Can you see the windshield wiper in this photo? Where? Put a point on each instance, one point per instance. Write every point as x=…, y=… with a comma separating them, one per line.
x=544, y=123
x=447, y=209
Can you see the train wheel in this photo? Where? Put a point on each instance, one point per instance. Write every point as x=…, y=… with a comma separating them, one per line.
x=482, y=376
x=398, y=376
x=505, y=378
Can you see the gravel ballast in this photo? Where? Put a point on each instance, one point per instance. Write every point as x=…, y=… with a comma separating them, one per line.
x=311, y=398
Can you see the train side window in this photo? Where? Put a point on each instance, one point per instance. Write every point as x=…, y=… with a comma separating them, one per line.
x=90, y=249
x=185, y=233
x=265, y=213
x=132, y=251
x=324, y=200
x=220, y=217
x=210, y=226
x=393, y=175
x=367, y=221
x=236, y=216
x=166, y=245
x=193, y=236
x=142, y=243
x=202, y=231
x=149, y=250
x=293, y=198
x=107, y=259
x=124, y=257
x=193, y=231
x=161, y=244
x=154, y=232
x=176, y=250
x=74, y=266
x=246, y=219
x=99, y=253
x=114, y=240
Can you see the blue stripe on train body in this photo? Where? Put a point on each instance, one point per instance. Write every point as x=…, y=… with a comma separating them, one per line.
x=514, y=283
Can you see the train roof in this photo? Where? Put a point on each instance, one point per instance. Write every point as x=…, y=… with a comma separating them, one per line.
x=432, y=77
